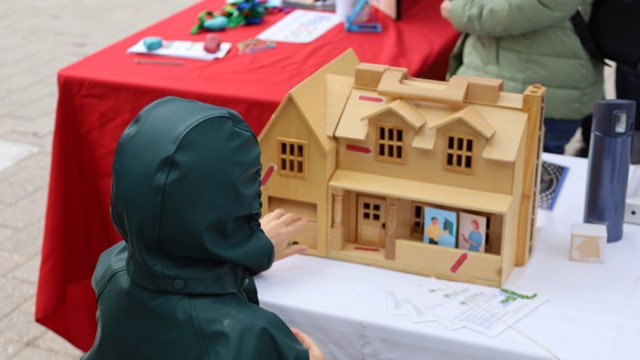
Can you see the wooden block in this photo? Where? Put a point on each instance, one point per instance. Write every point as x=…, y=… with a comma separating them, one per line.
x=588, y=242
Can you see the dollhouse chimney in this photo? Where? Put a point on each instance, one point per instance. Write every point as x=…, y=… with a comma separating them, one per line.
x=368, y=75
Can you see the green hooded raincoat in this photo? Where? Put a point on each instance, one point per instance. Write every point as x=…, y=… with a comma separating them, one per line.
x=186, y=200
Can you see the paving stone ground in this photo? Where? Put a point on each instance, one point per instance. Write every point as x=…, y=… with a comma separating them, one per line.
x=38, y=39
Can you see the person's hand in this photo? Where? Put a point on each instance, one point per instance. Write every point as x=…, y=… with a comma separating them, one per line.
x=314, y=351
x=280, y=227
x=444, y=9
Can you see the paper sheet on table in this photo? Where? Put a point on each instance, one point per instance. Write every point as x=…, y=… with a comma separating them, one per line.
x=418, y=300
x=182, y=49
x=300, y=26
x=486, y=310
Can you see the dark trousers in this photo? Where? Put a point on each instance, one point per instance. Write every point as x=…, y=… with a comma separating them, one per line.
x=628, y=86
x=557, y=133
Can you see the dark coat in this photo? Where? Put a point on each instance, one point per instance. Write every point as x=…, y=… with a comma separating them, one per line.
x=186, y=200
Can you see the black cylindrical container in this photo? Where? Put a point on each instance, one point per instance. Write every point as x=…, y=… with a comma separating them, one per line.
x=608, y=167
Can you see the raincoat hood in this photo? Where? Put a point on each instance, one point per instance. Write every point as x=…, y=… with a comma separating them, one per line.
x=186, y=199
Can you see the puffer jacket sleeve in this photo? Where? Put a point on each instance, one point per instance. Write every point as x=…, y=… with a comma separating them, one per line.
x=509, y=17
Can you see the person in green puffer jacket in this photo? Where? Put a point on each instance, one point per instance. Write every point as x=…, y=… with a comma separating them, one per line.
x=186, y=200
x=529, y=41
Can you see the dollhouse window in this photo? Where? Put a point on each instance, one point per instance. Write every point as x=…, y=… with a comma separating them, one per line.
x=459, y=153
x=292, y=157
x=390, y=143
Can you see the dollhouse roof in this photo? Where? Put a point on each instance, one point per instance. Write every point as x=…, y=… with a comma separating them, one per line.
x=309, y=99
x=503, y=128
x=333, y=106
x=340, y=87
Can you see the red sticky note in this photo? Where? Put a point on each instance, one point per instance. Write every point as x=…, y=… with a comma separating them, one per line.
x=456, y=265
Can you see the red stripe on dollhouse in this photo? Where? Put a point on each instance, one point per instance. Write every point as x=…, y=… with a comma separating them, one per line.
x=267, y=174
x=362, y=149
x=364, y=248
x=459, y=263
x=370, y=98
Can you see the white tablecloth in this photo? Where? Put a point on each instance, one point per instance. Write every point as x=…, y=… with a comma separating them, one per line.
x=593, y=311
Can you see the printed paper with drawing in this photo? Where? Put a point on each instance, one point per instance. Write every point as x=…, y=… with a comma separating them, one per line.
x=300, y=26
x=486, y=310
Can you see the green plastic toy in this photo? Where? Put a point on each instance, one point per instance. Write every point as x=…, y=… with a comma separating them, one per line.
x=236, y=13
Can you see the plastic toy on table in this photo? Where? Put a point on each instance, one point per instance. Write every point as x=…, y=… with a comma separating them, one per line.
x=233, y=14
x=352, y=24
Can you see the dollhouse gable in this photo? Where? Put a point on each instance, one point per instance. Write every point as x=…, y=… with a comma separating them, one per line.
x=472, y=117
x=500, y=130
x=402, y=109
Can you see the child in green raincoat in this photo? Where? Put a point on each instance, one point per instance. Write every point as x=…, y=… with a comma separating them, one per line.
x=186, y=200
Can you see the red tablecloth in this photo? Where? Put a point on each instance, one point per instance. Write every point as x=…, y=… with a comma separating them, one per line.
x=101, y=94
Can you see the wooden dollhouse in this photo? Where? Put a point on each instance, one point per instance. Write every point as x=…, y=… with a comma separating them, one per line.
x=373, y=157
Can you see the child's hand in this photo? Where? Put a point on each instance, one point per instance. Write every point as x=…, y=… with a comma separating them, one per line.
x=280, y=227
x=314, y=351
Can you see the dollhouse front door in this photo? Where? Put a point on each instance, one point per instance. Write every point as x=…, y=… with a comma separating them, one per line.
x=371, y=217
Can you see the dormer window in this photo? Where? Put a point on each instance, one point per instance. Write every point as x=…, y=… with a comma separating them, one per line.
x=390, y=143
x=292, y=157
x=459, y=153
